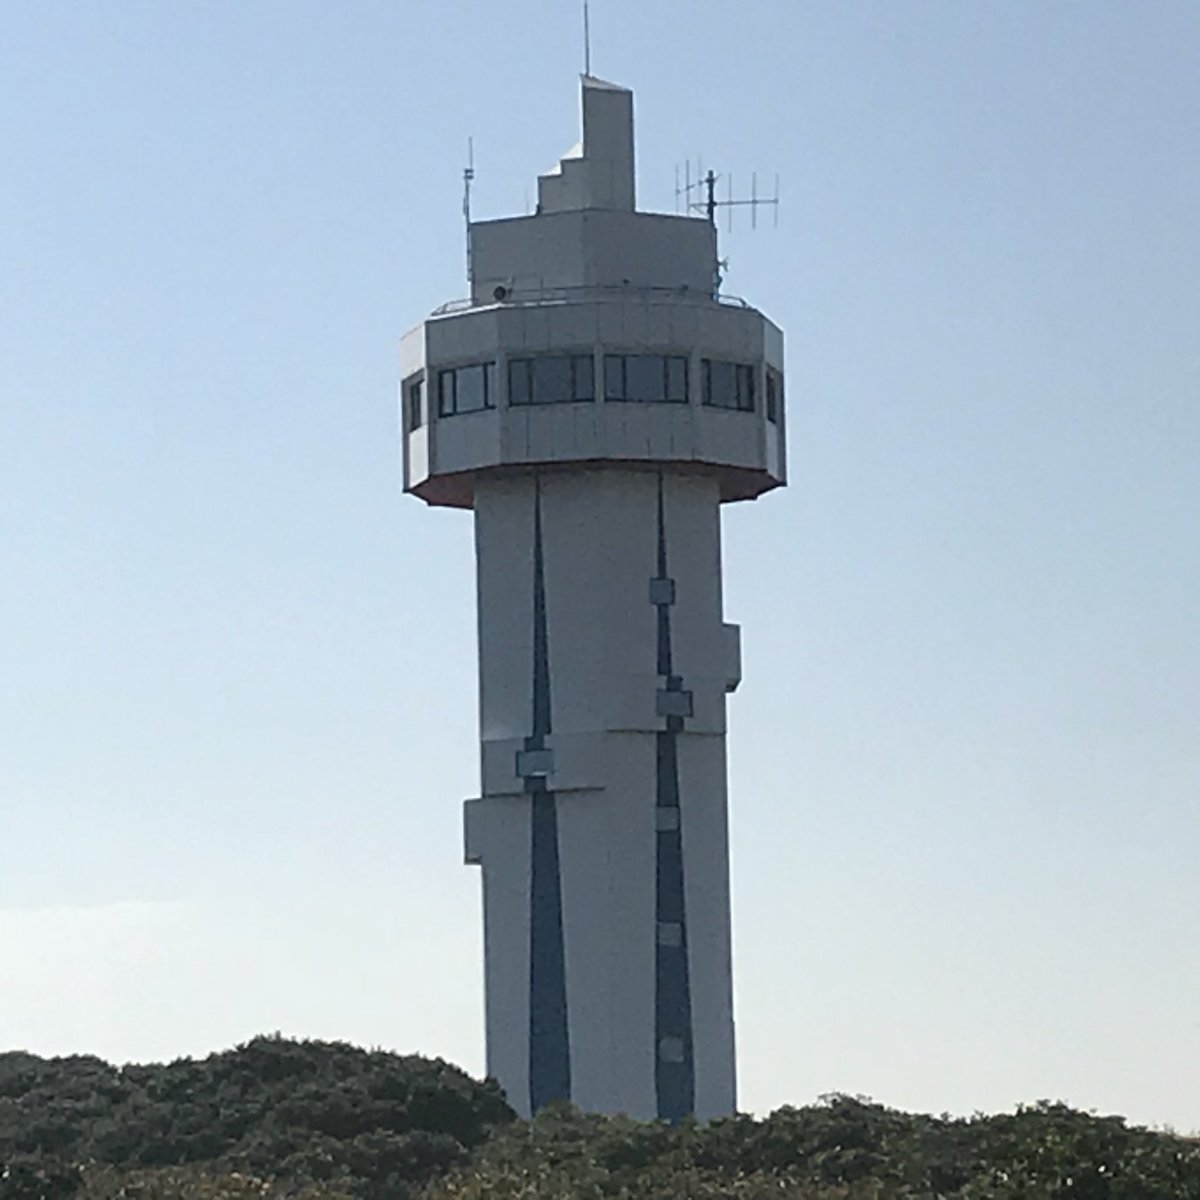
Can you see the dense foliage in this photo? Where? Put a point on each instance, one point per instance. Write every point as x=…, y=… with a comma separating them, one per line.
x=841, y=1149
x=376, y=1124
x=283, y=1120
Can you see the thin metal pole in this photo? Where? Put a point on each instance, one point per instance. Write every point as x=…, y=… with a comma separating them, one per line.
x=587, y=41
x=468, y=177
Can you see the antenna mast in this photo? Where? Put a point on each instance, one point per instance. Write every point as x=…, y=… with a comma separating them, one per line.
x=708, y=202
x=700, y=196
x=587, y=41
x=468, y=178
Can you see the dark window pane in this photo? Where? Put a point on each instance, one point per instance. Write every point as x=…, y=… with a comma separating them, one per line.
x=489, y=384
x=645, y=378
x=552, y=379
x=469, y=392
x=677, y=391
x=729, y=385
x=720, y=384
x=413, y=397
x=445, y=393
x=614, y=377
x=745, y=388
x=584, y=370
x=518, y=382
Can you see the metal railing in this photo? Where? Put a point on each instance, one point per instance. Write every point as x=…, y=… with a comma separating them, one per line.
x=571, y=295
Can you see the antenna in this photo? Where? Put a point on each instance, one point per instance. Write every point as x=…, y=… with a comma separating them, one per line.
x=587, y=41
x=468, y=178
x=700, y=195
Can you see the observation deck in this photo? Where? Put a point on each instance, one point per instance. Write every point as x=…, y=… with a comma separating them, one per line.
x=593, y=336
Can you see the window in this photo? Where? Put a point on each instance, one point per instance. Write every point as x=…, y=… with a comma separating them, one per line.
x=669, y=703
x=414, y=403
x=646, y=378
x=671, y=1049
x=774, y=395
x=666, y=818
x=551, y=379
x=466, y=389
x=728, y=385
x=535, y=764
x=670, y=933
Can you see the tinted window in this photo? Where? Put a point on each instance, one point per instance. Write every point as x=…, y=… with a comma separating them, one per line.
x=677, y=379
x=583, y=374
x=774, y=395
x=414, y=395
x=518, y=381
x=728, y=385
x=551, y=379
x=470, y=388
x=467, y=389
x=614, y=377
x=646, y=378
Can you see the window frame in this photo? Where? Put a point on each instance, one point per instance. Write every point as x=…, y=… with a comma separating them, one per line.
x=578, y=376
x=413, y=402
x=450, y=375
x=666, y=361
x=744, y=398
x=773, y=399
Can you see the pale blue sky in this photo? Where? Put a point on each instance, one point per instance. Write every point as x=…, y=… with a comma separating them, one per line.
x=237, y=693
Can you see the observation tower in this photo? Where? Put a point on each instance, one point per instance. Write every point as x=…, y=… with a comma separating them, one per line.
x=594, y=403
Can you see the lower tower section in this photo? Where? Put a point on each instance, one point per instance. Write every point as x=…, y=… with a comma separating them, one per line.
x=602, y=828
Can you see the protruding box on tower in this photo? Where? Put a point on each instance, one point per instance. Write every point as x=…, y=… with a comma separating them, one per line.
x=593, y=334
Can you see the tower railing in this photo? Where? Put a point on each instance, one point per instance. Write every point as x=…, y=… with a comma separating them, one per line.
x=533, y=297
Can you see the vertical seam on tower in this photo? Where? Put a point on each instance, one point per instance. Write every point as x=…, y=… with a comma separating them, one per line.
x=549, y=1038
x=674, y=1066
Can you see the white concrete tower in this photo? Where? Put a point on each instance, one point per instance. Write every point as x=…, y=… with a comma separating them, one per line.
x=595, y=403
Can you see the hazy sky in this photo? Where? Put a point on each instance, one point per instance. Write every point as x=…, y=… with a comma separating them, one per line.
x=237, y=684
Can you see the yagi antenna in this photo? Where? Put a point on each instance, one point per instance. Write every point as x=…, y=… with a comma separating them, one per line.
x=699, y=195
x=468, y=179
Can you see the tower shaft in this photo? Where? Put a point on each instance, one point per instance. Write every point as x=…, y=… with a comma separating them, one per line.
x=604, y=663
